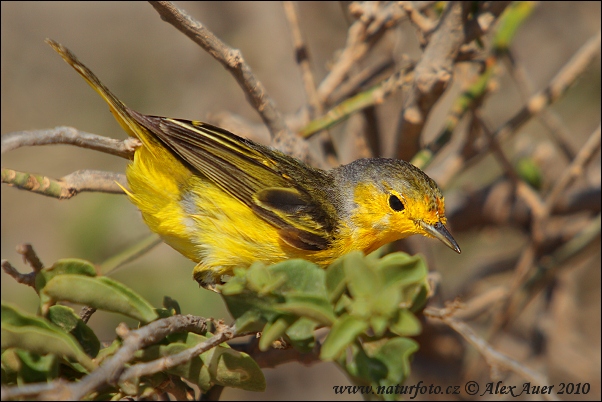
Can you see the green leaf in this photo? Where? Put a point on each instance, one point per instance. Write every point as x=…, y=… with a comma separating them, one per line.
x=35, y=368
x=28, y=332
x=362, y=281
x=343, y=333
x=237, y=370
x=301, y=334
x=372, y=369
x=260, y=279
x=406, y=324
x=71, y=266
x=101, y=293
x=396, y=354
x=379, y=325
x=250, y=321
x=386, y=302
x=336, y=283
x=314, y=307
x=301, y=277
x=65, y=318
x=274, y=331
x=402, y=269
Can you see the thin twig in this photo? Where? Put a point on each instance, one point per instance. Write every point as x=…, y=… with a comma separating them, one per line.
x=232, y=59
x=26, y=279
x=113, y=367
x=422, y=23
x=69, y=136
x=30, y=257
x=222, y=334
x=557, y=130
x=68, y=186
x=302, y=58
x=575, y=67
x=494, y=359
x=575, y=168
x=374, y=19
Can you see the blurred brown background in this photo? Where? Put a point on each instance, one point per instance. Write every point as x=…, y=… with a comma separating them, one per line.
x=156, y=70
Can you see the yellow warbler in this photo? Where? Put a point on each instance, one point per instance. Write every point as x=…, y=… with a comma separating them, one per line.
x=224, y=201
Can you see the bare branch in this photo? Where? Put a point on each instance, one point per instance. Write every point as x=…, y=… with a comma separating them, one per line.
x=26, y=279
x=302, y=58
x=30, y=257
x=432, y=75
x=222, y=334
x=556, y=88
x=113, y=367
x=70, y=136
x=591, y=146
x=493, y=358
x=67, y=186
x=373, y=22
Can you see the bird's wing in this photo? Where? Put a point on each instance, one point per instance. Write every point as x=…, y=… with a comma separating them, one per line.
x=261, y=178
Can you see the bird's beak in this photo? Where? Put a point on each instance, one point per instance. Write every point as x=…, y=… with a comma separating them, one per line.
x=439, y=231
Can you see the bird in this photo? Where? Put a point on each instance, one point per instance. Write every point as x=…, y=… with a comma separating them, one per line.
x=224, y=201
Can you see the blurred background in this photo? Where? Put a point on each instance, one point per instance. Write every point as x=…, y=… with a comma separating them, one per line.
x=156, y=70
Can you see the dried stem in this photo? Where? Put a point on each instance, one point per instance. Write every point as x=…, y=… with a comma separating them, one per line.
x=494, y=359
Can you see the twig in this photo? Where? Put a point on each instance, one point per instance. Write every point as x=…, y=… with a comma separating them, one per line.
x=370, y=97
x=432, y=74
x=360, y=80
x=557, y=131
x=302, y=58
x=68, y=186
x=30, y=257
x=233, y=61
x=69, y=136
x=422, y=23
x=553, y=91
x=26, y=279
x=374, y=20
x=132, y=252
x=575, y=168
x=230, y=58
x=113, y=367
x=494, y=359
x=222, y=334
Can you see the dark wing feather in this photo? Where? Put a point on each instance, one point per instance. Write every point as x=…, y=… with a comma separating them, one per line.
x=272, y=184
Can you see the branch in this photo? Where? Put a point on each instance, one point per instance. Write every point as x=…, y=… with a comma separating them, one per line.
x=574, y=68
x=432, y=75
x=494, y=359
x=113, y=367
x=302, y=58
x=222, y=334
x=32, y=259
x=69, y=136
x=373, y=21
x=67, y=186
x=233, y=61
x=575, y=168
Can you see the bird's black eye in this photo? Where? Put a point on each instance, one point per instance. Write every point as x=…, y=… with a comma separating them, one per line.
x=395, y=203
